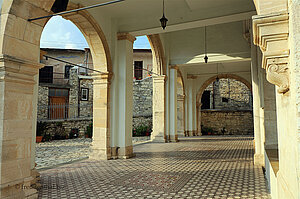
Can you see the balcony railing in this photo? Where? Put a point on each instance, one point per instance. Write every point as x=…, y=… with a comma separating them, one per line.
x=64, y=111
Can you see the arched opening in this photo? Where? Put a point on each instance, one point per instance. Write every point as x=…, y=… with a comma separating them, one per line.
x=225, y=106
x=142, y=90
x=26, y=92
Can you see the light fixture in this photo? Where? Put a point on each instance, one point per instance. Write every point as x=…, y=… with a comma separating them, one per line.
x=205, y=46
x=163, y=20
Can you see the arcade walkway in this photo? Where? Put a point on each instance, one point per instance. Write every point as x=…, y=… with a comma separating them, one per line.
x=203, y=167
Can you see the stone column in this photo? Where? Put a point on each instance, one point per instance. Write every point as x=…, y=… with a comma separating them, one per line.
x=259, y=151
x=123, y=79
x=173, y=105
x=180, y=115
x=274, y=34
x=158, y=134
x=18, y=94
x=101, y=148
x=191, y=109
x=198, y=119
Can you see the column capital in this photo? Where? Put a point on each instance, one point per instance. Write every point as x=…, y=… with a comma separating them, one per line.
x=161, y=78
x=18, y=70
x=174, y=67
x=271, y=33
x=126, y=36
x=103, y=78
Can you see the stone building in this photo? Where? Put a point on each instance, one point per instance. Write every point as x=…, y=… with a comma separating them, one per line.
x=253, y=41
x=66, y=91
x=227, y=108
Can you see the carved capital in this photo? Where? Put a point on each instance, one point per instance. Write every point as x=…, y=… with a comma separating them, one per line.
x=278, y=74
x=271, y=33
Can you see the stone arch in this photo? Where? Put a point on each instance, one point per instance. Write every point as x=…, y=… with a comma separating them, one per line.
x=20, y=57
x=220, y=76
x=159, y=65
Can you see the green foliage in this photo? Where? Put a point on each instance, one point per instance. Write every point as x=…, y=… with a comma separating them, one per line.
x=142, y=130
x=41, y=128
x=89, y=130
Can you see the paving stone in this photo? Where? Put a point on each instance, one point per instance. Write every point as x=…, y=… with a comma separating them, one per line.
x=198, y=167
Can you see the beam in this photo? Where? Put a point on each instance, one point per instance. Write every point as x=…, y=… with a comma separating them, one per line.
x=76, y=10
x=196, y=24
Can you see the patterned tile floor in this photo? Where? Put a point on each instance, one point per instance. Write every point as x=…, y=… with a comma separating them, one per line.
x=199, y=167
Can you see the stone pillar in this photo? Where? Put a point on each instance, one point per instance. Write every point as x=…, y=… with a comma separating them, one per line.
x=180, y=115
x=270, y=120
x=18, y=101
x=274, y=34
x=191, y=109
x=259, y=150
x=173, y=137
x=101, y=148
x=123, y=79
x=198, y=119
x=158, y=134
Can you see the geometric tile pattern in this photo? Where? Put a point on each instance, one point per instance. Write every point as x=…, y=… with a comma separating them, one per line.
x=168, y=182
x=197, y=167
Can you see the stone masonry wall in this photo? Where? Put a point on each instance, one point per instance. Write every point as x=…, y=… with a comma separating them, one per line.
x=237, y=94
x=235, y=122
x=142, y=102
x=64, y=127
x=86, y=107
x=42, y=109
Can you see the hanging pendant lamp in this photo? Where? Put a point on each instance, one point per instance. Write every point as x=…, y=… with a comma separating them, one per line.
x=163, y=20
x=205, y=46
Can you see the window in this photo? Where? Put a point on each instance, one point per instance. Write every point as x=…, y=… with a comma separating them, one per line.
x=205, y=100
x=138, y=70
x=46, y=75
x=84, y=94
x=67, y=71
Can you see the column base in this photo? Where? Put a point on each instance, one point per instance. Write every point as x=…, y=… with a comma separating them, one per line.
x=181, y=134
x=189, y=133
x=100, y=154
x=259, y=159
x=173, y=138
x=122, y=152
x=158, y=138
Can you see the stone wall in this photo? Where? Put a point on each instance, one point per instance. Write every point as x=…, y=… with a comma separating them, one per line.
x=229, y=94
x=142, y=102
x=235, y=122
x=42, y=109
x=86, y=107
x=64, y=127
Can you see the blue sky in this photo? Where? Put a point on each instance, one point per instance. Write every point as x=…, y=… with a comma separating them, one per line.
x=61, y=33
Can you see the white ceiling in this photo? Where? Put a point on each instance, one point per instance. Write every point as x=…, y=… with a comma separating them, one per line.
x=134, y=15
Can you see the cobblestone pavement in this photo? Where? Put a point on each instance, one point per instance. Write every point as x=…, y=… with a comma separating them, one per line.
x=199, y=167
x=50, y=154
